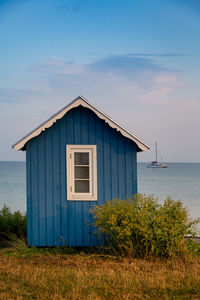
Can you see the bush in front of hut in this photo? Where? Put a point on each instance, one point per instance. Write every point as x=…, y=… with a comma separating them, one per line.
x=142, y=227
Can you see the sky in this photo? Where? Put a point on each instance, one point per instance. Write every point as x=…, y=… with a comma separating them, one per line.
x=136, y=60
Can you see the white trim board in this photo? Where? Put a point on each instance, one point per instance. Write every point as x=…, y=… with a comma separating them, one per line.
x=19, y=145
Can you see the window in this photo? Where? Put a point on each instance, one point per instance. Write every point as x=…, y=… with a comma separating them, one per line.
x=81, y=172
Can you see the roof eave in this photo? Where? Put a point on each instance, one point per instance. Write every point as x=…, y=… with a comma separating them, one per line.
x=20, y=145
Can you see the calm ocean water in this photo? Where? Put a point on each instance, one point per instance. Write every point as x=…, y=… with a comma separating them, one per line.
x=179, y=180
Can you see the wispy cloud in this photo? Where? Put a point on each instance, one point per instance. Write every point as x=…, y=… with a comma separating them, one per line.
x=115, y=72
x=127, y=78
x=139, y=82
x=126, y=65
x=58, y=66
x=157, y=54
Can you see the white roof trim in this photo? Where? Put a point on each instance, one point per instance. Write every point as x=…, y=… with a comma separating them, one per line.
x=19, y=145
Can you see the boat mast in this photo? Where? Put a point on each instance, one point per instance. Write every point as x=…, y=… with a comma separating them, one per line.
x=156, y=150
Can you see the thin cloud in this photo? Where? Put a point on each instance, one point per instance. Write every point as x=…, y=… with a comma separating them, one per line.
x=143, y=73
x=157, y=54
x=126, y=65
x=57, y=66
x=122, y=65
x=121, y=75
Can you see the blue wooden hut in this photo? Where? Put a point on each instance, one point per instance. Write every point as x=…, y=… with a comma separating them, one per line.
x=76, y=159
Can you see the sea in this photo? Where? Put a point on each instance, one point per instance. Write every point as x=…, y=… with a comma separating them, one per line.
x=181, y=181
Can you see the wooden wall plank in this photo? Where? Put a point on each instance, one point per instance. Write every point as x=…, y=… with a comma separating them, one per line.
x=114, y=165
x=29, y=194
x=100, y=167
x=34, y=192
x=63, y=207
x=121, y=162
x=107, y=164
x=49, y=187
x=85, y=204
x=100, y=161
x=42, y=188
x=134, y=156
x=92, y=141
x=128, y=169
x=70, y=204
x=78, y=204
x=56, y=183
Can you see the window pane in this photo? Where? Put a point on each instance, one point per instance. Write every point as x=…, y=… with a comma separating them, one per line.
x=82, y=186
x=81, y=172
x=81, y=158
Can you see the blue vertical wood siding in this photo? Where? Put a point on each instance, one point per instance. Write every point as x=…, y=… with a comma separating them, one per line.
x=52, y=219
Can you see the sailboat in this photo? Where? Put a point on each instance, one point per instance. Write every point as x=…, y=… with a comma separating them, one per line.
x=155, y=163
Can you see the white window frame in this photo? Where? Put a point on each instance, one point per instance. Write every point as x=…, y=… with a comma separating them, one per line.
x=92, y=150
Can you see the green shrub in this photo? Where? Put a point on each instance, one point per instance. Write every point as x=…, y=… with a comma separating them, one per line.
x=12, y=224
x=141, y=227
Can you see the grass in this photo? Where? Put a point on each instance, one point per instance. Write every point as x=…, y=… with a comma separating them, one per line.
x=71, y=273
x=31, y=273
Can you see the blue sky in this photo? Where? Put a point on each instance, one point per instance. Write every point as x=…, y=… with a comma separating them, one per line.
x=139, y=61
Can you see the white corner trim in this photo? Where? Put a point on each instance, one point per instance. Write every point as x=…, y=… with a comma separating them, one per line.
x=76, y=102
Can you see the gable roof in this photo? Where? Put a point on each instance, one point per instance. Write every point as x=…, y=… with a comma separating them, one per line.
x=19, y=145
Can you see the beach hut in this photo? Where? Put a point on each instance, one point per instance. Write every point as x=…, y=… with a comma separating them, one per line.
x=76, y=159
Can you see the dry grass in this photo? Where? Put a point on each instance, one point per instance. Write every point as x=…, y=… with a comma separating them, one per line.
x=84, y=276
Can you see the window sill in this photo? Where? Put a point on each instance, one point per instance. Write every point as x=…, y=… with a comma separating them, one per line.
x=82, y=198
